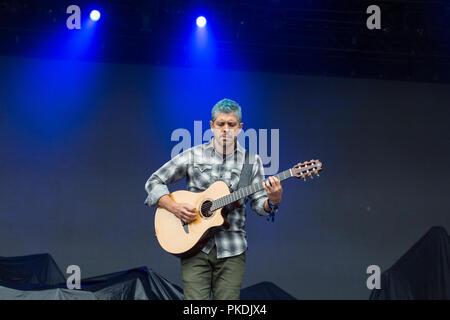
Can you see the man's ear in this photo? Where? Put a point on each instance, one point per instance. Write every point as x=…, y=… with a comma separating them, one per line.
x=211, y=123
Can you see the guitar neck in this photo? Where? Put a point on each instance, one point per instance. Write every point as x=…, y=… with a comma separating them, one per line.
x=246, y=191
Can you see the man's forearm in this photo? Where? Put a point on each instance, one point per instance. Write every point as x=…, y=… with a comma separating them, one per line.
x=166, y=202
x=183, y=211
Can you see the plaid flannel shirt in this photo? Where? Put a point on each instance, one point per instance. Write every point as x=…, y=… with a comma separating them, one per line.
x=202, y=165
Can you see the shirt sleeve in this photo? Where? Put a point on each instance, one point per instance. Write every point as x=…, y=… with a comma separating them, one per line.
x=258, y=198
x=172, y=171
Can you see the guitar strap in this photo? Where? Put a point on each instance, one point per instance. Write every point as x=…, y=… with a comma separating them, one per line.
x=246, y=172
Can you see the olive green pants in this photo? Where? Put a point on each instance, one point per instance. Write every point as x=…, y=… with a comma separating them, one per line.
x=204, y=273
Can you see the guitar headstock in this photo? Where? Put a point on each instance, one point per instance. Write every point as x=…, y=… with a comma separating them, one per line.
x=306, y=169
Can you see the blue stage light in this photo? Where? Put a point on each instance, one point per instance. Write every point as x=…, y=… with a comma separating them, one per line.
x=95, y=15
x=201, y=22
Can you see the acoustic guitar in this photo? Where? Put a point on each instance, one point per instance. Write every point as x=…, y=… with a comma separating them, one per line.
x=212, y=205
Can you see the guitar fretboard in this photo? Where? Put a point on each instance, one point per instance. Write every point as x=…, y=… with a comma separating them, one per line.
x=246, y=191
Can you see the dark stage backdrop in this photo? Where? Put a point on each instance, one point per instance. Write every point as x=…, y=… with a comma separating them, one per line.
x=78, y=141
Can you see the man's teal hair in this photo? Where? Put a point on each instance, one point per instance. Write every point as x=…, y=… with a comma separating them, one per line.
x=226, y=106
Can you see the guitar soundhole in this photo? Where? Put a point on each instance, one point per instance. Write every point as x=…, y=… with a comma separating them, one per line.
x=205, y=209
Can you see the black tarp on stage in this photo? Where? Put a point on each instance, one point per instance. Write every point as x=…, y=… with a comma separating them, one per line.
x=134, y=284
x=37, y=277
x=422, y=273
x=265, y=291
x=30, y=272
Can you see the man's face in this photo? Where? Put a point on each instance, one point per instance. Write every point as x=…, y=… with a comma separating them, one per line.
x=226, y=128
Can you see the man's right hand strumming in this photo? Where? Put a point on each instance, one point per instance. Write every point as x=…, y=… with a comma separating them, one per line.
x=183, y=211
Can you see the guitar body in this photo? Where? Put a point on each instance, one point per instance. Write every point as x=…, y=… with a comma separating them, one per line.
x=185, y=240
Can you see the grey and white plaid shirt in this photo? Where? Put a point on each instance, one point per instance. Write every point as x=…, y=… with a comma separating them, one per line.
x=202, y=165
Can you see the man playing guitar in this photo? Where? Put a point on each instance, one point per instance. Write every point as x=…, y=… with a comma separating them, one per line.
x=219, y=266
